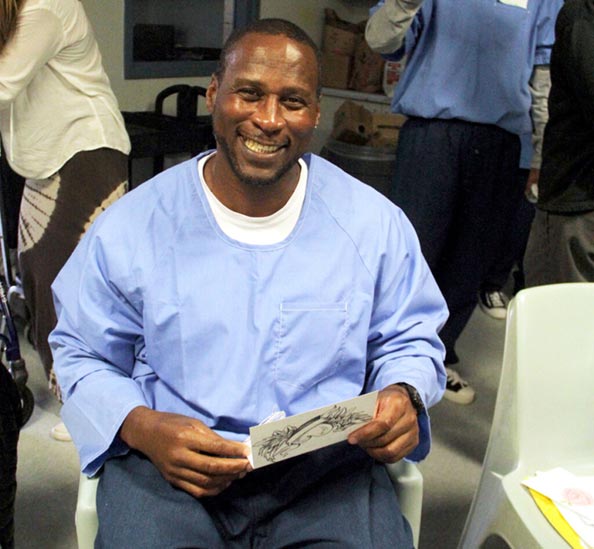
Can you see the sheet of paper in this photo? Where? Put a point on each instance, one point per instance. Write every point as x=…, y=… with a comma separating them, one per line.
x=575, y=492
x=276, y=441
x=574, y=497
x=582, y=529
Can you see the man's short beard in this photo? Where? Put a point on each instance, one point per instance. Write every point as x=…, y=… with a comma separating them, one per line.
x=247, y=180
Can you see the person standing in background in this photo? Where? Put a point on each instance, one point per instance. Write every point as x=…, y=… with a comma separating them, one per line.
x=561, y=243
x=62, y=130
x=475, y=71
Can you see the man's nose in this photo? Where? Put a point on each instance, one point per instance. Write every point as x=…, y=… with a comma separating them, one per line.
x=268, y=116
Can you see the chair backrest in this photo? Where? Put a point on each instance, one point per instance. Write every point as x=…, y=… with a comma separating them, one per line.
x=186, y=100
x=544, y=414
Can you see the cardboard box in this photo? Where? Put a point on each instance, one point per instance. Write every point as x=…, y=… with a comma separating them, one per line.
x=340, y=41
x=336, y=70
x=339, y=36
x=385, y=129
x=352, y=124
x=368, y=69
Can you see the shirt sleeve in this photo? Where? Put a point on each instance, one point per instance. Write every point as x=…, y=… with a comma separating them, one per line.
x=409, y=311
x=387, y=27
x=540, y=86
x=545, y=30
x=37, y=39
x=96, y=343
x=540, y=82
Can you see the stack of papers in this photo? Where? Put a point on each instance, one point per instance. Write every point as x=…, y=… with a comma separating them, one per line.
x=567, y=501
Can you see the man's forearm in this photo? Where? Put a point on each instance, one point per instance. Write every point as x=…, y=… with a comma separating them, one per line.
x=134, y=424
x=386, y=28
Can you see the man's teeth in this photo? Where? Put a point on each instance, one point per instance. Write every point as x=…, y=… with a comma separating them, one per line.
x=259, y=148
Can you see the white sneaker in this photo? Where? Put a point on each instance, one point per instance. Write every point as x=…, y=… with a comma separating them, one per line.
x=457, y=389
x=59, y=432
x=494, y=304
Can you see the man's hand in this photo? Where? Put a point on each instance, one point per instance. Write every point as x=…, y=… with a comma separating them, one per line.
x=531, y=190
x=394, y=432
x=187, y=453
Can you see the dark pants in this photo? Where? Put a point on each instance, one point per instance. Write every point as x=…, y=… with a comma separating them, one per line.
x=335, y=497
x=10, y=424
x=560, y=248
x=456, y=181
x=511, y=253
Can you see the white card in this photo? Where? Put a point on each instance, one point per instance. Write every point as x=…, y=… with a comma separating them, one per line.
x=572, y=495
x=575, y=492
x=295, y=435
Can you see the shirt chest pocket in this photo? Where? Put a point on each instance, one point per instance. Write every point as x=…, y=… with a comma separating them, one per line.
x=310, y=342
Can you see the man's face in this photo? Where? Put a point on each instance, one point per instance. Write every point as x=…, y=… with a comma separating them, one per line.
x=264, y=107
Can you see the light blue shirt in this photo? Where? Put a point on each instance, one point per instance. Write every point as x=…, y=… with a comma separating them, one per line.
x=472, y=60
x=158, y=307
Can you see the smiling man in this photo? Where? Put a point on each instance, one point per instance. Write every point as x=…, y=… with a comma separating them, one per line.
x=251, y=279
x=263, y=123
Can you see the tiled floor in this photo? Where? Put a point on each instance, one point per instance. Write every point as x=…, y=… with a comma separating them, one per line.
x=48, y=470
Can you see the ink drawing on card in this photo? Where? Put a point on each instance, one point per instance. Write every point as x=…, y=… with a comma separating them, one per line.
x=302, y=433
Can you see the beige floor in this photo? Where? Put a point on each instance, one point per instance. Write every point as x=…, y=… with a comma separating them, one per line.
x=48, y=470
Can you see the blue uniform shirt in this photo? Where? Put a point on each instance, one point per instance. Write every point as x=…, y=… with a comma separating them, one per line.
x=158, y=307
x=472, y=60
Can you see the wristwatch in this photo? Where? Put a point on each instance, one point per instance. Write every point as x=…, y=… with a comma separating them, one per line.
x=414, y=396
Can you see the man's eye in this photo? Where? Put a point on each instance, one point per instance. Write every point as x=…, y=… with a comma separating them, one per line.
x=294, y=102
x=249, y=94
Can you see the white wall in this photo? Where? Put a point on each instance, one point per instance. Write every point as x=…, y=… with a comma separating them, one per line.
x=107, y=18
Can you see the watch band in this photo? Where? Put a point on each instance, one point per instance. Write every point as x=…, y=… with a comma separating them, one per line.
x=414, y=396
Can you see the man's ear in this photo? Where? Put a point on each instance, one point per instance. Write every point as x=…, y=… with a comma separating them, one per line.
x=211, y=93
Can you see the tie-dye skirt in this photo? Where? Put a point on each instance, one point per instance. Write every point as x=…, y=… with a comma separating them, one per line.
x=55, y=212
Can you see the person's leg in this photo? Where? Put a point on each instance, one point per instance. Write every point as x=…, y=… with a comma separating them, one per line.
x=560, y=249
x=10, y=426
x=577, y=238
x=514, y=240
x=489, y=193
x=54, y=214
x=489, y=159
x=336, y=497
x=426, y=181
x=492, y=299
x=536, y=258
x=138, y=509
x=524, y=220
x=428, y=187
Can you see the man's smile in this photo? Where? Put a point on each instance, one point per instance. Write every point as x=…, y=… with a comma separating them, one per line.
x=257, y=147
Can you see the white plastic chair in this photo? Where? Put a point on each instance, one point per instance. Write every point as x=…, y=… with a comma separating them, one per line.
x=408, y=483
x=406, y=477
x=544, y=414
x=85, y=517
